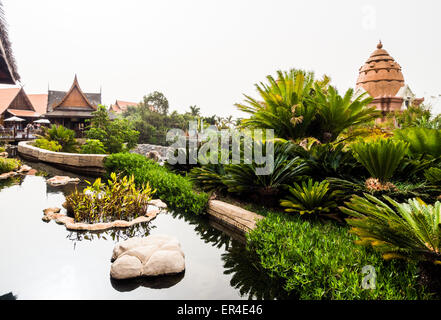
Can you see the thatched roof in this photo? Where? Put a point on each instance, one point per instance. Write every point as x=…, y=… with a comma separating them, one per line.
x=8, y=68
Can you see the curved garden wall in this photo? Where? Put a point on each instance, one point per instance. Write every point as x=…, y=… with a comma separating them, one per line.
x=90, y=164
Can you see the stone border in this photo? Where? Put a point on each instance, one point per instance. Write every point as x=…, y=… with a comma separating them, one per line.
x=91, y=164
x=70, y=224
x=233, y=217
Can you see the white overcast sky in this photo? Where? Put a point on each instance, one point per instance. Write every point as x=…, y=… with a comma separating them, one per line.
x=208, y=53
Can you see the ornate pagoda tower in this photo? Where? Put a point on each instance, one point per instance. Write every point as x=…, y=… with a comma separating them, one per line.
x=382, y=79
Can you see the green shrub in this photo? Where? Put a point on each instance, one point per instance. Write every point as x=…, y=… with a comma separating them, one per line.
x=422, y=141
x=321, y=261
x=7, y=165
x=433, y=175
x=409, y=230
x=116, y=200
x=175, y=190
x=116, y=135
x=380, y=157
x=65, y=138
x=93, y=146
x=311, y=198
x=47, y=144
x=2, y=149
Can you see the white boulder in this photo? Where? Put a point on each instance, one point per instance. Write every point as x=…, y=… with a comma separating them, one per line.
x=150, y=256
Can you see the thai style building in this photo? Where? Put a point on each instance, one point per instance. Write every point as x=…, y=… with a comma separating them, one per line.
x=382, y=79
x=15, y=102
x=121, y=106
x=71, y=108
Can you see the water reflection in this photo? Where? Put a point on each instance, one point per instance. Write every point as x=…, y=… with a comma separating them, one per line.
x=159, y=282
x=218, y=264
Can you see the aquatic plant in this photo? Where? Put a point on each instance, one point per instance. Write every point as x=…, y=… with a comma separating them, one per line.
x=119, y=199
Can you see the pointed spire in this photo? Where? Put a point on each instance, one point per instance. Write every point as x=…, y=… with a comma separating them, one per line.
x=379, y=45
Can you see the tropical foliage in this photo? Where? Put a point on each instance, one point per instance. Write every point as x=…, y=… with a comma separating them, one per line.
x=409, y=230
x=422, y=141
x=61, y=136
x=47, y=144
x=310, y=197
x=7, y=165
x=119, y=199
x=116, y=135
x=93, y=146
x=380, y=157
x=297, y=106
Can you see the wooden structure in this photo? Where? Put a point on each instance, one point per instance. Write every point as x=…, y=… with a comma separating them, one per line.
x=8, y=68
x=15, y=102
x=71, y=108
x=121, y=106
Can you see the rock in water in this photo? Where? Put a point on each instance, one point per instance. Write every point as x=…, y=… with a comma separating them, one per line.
x=61, y=180
x=150, y=256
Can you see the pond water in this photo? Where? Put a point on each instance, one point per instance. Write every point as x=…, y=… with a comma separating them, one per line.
x=42, y=260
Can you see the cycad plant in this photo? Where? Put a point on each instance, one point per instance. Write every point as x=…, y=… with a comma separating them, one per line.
x=310, y=197
x=283, y=105
x=336, y=113
x=410, y=230
x=63, y=136
x=422, y=141
x=380, y=157
x=244, y=178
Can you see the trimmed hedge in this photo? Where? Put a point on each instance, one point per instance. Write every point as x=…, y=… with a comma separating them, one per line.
x=175, y=190
x=321, y=261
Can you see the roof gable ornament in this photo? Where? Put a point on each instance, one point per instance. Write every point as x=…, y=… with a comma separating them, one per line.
x=75, y=97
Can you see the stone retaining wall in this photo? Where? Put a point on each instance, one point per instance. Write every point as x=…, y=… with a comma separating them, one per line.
x=234, y=217
x=90, y=164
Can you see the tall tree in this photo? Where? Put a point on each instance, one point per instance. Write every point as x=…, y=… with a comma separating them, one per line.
x=157, y=100
x=195, y=111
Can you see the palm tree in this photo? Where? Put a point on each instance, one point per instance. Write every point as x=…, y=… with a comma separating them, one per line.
x=195, y=111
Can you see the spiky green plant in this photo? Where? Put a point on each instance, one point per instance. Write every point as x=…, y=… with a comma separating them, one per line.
x=63, y=136
x=336, y=113
x=310, y=197
x=380, y=157
x=410, y=230
x=241, y=178
x=433, y=175
x=283, y=104
x=422, y=141
x=209, y=177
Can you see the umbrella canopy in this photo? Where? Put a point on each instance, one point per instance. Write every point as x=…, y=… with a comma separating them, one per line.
x=42, y=121
x=14, y=119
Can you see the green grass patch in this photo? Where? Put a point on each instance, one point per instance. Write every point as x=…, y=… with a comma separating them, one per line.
x=321, y=261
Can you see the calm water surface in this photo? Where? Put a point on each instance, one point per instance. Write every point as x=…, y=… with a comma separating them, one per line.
x=42, y=260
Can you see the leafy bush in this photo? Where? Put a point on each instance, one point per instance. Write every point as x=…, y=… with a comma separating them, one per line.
x=380, y=157
x=116, y=135
x=422, y=141
x=209, y=177
x=311, y=198
x=93, y=146
x=297, y=106
x=2, y=149
x=321, y=261
x=243, y=178
x=117, y=200
x=328, y=160
x=63, y=136
x=175, y=190
x=433, y=175
x=47, y=144
x=7, y=165
x=399, y=230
